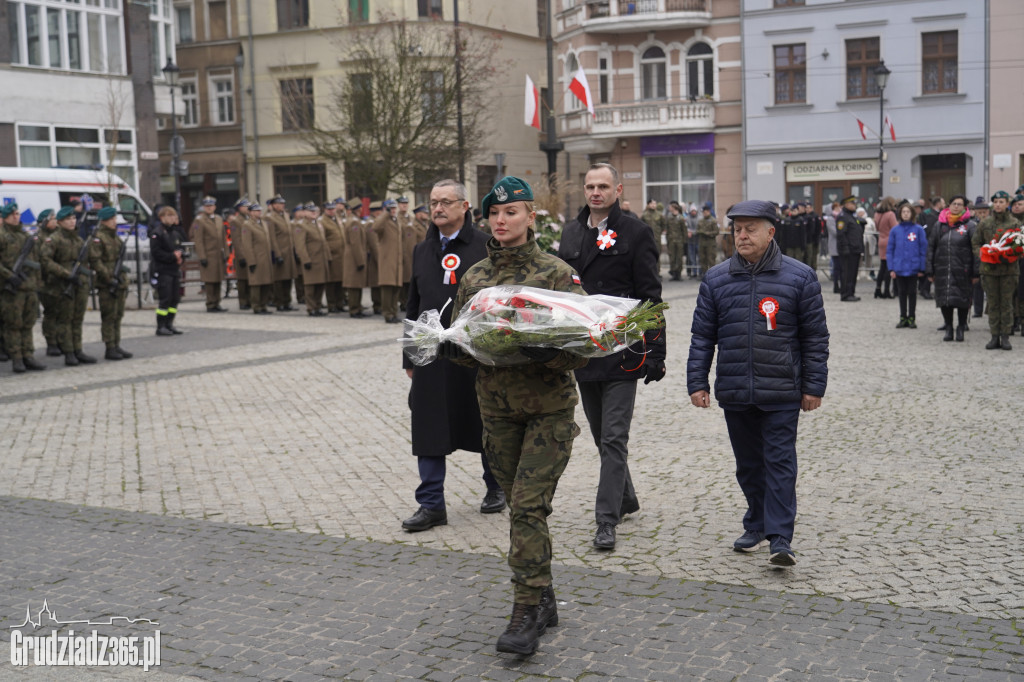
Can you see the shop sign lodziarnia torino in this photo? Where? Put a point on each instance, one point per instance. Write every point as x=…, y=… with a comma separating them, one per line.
x=845, y=169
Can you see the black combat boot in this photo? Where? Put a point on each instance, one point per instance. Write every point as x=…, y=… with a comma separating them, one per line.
x=124, y=354
x=547, y=611
x=960, y=333
x=161, y=326
x=993, y=344
x=521, y=636
x=1004, y=343
x=33, y=364
x=53, y=350
x=70, y=360
x=112, y=354
x=17, y=365
x=949, y=333
x=170, y=324
x=85, y=359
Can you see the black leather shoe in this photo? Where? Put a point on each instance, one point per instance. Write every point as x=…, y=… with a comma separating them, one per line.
x=124, y=354
x=359, y=315
x=949, y=334
x=33, y=364
x=494, y=502
x=960, y=333
x=605, y=536
x=216, y=309
x=53, y=351
x=629, y=508
x=85, y=359
x=547, y=611
x=522, y=635
x=164, y=331
x=850, y=299
x=425, y=519
x=316, y=313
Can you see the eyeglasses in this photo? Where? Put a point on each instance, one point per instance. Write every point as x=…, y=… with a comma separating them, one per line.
x=447, y=203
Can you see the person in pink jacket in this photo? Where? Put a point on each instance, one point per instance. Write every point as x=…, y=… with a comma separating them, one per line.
x=885, y=220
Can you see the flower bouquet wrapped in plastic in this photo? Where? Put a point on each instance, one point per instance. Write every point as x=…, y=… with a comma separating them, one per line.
x=1007, y=247
x=499, y=320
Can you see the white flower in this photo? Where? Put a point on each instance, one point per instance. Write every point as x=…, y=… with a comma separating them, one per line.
x=555, y=244
x=561, y=218
x=543, y=212
x=555, y=227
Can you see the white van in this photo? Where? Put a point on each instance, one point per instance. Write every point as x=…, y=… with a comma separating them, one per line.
x=37, y=189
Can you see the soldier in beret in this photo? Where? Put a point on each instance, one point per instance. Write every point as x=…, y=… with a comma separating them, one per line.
x=48, y=292
x=104, y=252
x=19, y=304
x=58, y=254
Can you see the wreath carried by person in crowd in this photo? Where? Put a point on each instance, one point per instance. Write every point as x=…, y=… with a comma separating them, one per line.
x=499, y=320
x=1006, y=247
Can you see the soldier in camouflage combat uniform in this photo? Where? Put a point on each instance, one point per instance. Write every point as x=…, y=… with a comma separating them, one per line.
x=58, y=254
x=675, y=227
x=998, y=279
x=707, y=244
x=527, y=410
x=19, y=305
x=103, y=255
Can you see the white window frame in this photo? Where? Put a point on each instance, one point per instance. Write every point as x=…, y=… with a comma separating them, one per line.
x=699, y=60
x=109, y=164
x=110, y=8
x=188, y=100
x=214, y=96
x=191, y=22
x=164, y=18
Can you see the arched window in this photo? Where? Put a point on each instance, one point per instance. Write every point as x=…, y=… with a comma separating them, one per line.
x=652, y=74
x=700, y=73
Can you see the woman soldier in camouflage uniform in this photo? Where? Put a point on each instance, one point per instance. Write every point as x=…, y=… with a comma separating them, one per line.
x=527, y=410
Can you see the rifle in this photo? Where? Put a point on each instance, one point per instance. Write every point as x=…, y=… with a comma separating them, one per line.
x=119, y=267
x=79, y=267
x=21, y=263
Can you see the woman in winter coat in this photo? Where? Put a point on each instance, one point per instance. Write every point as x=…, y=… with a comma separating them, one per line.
x=907, y=253
x=885, y=220
x=951, y=264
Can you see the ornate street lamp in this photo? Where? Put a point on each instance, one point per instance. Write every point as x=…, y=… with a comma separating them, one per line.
x=171, y=72
x=881, y=78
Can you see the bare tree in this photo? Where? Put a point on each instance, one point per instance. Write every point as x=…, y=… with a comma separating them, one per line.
x=392, y=120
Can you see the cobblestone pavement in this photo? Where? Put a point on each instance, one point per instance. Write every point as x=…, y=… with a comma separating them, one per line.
x=190, y=456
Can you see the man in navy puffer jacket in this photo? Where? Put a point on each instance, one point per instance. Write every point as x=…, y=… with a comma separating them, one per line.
x=764, y=312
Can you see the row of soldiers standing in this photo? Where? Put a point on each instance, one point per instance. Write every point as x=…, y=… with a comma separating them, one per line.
x=333, y=254
x=686, y=236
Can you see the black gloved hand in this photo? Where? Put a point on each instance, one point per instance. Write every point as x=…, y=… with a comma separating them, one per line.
x=252, y=268
x=204, y=262
x=242, y=263
x=539, y=354
x=450, y=350
x=307, y=266
x=14, y=281
x=279, y=261
x=654, y=370
x=360, y=267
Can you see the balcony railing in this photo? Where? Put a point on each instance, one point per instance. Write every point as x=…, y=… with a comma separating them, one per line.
x=646, y=118
x=642, y=11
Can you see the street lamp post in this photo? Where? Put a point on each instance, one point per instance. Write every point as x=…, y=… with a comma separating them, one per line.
x=881, y=78
x=171, y=72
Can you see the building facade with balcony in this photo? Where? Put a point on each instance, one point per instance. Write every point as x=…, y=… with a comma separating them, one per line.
x=1006, y=97
x=665, y=76
x=207, y=106
x=297, y=50
x=79, y=86
x=813, y=117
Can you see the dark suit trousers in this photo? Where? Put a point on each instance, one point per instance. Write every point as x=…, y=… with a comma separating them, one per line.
x=609, y=409
x=848, y=266
x=430, y=492
x=764, y=443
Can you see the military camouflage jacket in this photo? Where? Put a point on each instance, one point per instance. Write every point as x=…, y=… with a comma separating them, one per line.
x=103, y=253
x=707, y=227
x=985, y=233
x=12, y=241
x=675, y=226
x=535, y=388
x=57, y=255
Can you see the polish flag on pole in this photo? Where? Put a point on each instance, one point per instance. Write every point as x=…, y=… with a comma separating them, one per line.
x=860, y=124
x=888, y=124
x=531, y=116
x=579, y=87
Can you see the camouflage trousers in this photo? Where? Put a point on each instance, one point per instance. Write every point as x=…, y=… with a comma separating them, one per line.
x=111, y=312
x=68, y=314
x=796, y=252
x=676, y=251
x=708, y=253
x=527, y=455
x=999, y=290
x=51, y=306
x=811, y=256
x=20, y=311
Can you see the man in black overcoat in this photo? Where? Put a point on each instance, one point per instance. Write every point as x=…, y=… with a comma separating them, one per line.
x=615, y=255
x=445, y=413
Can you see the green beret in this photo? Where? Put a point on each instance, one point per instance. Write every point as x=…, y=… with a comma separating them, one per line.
x=507, y=190
x=106, y=213
x=1001, y=195
x=8, y=209
x=1016, y=198
x=44, y=216
x=65, y=211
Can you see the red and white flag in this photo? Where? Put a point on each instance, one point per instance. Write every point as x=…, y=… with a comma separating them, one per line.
x=531, y=115
x=888, y=124
x=860, y=124
x=579, y=87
